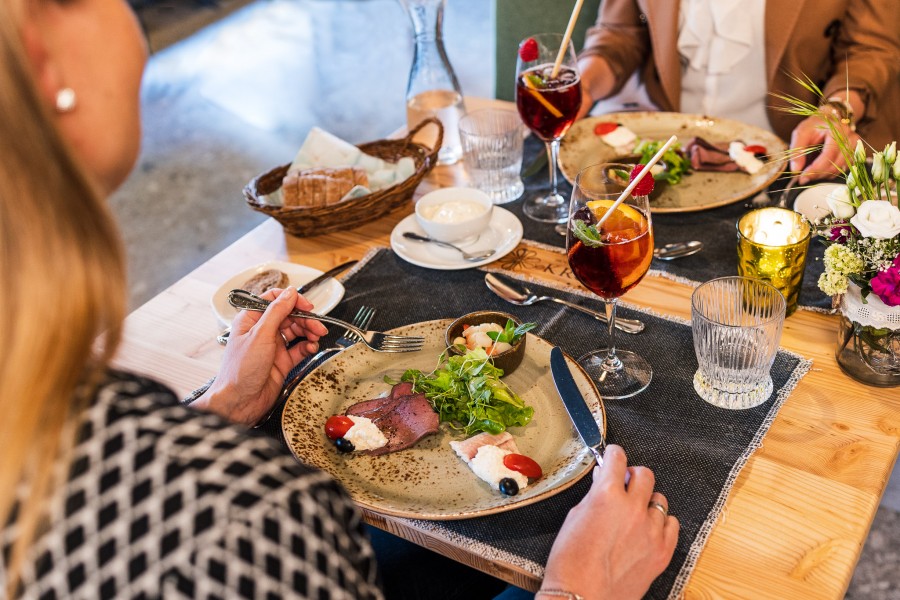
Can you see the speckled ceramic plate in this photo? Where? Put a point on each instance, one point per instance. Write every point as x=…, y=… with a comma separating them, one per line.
x=700, y=190
x=429, y=481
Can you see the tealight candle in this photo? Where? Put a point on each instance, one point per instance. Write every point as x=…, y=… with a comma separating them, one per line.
x=772, y=246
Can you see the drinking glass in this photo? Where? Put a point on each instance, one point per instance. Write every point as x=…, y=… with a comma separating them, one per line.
x=548, y=104
x=736, y=323
x=609, y=262
x=492, y=151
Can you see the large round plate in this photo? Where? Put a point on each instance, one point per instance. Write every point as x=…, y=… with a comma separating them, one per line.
x=324, y=296
x=701, y=190
x=503, y=234
x=429, y=481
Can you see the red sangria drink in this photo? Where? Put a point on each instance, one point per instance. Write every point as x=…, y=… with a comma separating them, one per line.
x=609, y=251
x=548, y=96
x=548, y=106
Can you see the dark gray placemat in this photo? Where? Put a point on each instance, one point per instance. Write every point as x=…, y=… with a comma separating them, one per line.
x=715, y=228
x=695, y=449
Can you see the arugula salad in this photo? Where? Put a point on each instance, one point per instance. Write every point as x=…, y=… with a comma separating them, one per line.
x=467, y=393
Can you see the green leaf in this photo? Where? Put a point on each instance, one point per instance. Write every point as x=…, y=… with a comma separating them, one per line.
x=588, y=234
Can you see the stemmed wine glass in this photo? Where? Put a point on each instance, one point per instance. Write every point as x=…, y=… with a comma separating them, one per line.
x=548, y=103
x=609, y=262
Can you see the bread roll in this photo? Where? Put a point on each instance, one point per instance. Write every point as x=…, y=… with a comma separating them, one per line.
x=320, y=186
x=266, y=280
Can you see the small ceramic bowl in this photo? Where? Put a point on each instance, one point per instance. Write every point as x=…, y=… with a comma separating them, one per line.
x=441, y=224
x=509, y=360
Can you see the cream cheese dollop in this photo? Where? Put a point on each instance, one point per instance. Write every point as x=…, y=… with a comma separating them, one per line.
x=364, y=435
x=488, y=465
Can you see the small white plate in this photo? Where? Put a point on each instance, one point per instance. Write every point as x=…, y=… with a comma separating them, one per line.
x=324, y=296
x=503, y=233
x=811, y=202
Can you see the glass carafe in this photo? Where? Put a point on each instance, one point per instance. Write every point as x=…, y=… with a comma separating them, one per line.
x=433, y=89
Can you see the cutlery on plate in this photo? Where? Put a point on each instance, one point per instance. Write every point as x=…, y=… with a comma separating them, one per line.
x=376, y=340
x=578, y=410
x=325, y=276
x=362, y=319
x=519, y=294
x=473, y=256
x=222, y=338
x=677, y=250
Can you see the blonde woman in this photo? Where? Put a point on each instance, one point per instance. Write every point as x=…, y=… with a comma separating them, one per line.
x=108, y=486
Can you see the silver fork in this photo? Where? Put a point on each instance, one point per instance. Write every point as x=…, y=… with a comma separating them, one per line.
x=376, y=340
x=362, y=319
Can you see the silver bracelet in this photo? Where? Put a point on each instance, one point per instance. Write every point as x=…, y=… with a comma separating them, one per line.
x=558, y=594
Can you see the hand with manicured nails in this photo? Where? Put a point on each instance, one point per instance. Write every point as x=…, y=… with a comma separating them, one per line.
x=257, y=359
x=613, y=544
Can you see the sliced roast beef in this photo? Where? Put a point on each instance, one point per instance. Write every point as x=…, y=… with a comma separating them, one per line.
x=706, y=156
x=403, y=417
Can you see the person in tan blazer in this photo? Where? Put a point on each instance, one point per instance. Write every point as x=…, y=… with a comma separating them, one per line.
x=850, y=48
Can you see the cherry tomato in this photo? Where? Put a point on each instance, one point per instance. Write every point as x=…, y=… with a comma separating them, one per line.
x=605, y=127
x=524, y=465
x=755, y=149
x=337, y=426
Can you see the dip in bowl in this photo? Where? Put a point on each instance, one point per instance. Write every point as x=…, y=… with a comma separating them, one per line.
x=454, y=214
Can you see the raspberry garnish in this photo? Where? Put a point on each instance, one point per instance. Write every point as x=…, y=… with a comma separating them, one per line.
x=645, y=186
x=528, y=50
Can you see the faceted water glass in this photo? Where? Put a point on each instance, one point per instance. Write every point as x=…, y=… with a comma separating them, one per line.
x=736, y=323
x=492, y=151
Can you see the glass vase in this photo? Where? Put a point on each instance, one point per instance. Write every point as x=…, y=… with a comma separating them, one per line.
x=868, y=347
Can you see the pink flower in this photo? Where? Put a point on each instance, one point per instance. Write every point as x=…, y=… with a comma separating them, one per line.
x=886, y=284
x=840, y=231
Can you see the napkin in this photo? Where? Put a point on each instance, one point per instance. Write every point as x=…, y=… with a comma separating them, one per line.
x=324, y=149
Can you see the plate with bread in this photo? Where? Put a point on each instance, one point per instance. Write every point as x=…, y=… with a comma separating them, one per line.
x=277, y=274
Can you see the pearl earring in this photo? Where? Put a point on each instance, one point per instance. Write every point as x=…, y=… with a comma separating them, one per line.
x=65, y=100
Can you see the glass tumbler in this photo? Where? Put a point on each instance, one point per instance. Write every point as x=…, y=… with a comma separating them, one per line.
x=492, y=151
x=736, y=323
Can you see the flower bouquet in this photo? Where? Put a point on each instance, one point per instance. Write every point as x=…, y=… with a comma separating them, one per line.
x=862, y=261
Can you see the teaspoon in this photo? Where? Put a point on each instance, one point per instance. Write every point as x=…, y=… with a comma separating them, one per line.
x=678, y=250
x=473, y=256
x=520, y=295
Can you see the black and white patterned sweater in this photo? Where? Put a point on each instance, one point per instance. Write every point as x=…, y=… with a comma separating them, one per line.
x=162, y=501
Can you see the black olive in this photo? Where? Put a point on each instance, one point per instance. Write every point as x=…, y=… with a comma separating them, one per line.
x=344, y=445
x=508, y=486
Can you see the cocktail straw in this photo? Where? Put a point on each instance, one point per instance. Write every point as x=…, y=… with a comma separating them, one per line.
x=566, y=38
x=636, y=181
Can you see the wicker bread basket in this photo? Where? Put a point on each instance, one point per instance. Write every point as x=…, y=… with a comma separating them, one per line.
x=303, y=221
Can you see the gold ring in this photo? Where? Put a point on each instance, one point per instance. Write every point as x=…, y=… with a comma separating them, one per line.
x=659, y=507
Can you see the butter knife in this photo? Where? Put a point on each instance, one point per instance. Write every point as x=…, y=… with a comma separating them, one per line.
x=326, y=275
x=578, y=410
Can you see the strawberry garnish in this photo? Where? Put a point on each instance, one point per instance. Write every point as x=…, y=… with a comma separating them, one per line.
x=528, y=50
x=755, y=149
x=605, y=127
x=645, y=186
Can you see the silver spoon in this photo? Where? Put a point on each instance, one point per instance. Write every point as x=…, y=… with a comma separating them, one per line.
x=473, y=256
x=520, y=295
x=677, y=250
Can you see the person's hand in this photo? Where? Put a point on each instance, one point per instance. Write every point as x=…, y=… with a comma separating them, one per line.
x=257, y=360
x=814, y=131
x=613, y=544
x=587, y=103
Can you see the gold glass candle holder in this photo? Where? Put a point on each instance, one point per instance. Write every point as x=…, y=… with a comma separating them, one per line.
x=772, y=246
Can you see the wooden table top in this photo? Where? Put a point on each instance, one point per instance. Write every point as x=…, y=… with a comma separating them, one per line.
x=797, y=518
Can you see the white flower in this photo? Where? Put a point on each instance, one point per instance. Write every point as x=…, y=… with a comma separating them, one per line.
x=840, y=260
x=878, y=174
x=897, y=171
x=839, y=202
x=859, y=155
x=833, y=283
x=877, y=219
x=890, y=153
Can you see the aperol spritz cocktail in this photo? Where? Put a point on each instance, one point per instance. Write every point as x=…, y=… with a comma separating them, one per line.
x=548, y=100
x=610, y=258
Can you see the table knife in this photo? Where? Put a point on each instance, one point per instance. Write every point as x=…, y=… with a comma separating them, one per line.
x=578, y=410
x=326, y=275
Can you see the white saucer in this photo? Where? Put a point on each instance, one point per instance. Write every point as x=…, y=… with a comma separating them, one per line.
x=811, y=202
x=503, y=233
x=324, y=296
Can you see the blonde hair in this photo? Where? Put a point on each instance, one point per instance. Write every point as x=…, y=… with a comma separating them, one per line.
x=63, y=292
